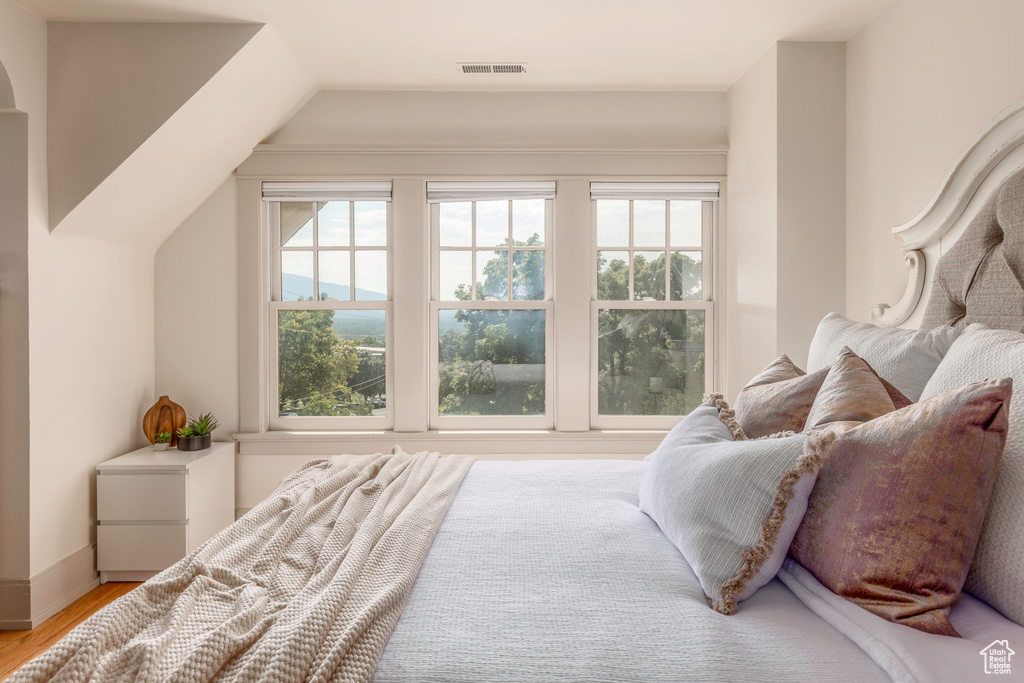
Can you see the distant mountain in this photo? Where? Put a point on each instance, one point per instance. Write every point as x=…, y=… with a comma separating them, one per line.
x=349, y=324
x=298, y=285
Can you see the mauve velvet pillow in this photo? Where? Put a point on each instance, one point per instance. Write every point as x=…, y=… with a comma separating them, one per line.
x=852, y=394
x=900, y=501
x=778, y=399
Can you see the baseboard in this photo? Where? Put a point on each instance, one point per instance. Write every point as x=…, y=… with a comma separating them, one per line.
x=15, y=604
x=58, y=586
x=25, y=604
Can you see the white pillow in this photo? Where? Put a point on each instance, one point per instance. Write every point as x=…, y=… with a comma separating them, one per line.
x=905, y=358
x=702, y=425
x=730, y=507
x=996, y=575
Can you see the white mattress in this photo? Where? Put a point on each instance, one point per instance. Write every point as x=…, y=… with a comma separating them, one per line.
x=547, y=570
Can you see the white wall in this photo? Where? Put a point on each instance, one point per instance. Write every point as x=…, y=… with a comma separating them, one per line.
x=812, y=191
x=495, y=120
x=89, y=359
x=23, y=198
x=786, y=227
x=922, y=80
x=751, y=266
x=91, y=369
x=196, y=312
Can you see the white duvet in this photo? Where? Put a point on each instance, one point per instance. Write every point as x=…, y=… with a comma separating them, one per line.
x=548, y=571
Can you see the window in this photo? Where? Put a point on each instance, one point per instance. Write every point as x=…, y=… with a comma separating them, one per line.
x=491, y=332
x=330, y=305
x=653, y=313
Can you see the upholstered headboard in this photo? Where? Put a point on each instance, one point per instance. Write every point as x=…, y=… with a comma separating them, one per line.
x=981, y=278
x=965, y=251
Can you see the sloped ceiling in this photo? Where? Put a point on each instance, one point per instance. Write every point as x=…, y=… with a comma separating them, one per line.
x=111, y=86
x=131, y=157
x=6, y=90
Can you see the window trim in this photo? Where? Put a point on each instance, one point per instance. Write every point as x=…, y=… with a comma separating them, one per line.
x=276, y=304
x=709, y=249
x=486, y=422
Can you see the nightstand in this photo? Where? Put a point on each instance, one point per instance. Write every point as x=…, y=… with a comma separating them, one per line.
x=153, y=508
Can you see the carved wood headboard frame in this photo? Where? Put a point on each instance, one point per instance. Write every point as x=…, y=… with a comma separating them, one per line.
x=995, y=154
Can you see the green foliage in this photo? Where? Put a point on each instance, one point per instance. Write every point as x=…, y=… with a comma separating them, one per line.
x=500, y=337
x=321, y=374
x=162, y=437
x=198, y=426
x=649, y=278
x=636, y=346
x=503, y=337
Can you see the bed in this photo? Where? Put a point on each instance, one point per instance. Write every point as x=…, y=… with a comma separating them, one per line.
x=448, y=570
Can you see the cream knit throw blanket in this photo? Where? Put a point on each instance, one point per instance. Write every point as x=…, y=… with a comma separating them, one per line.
x=305, y=587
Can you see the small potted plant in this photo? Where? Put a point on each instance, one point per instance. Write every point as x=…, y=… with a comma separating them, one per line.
x=162, y=441
x=197, y=434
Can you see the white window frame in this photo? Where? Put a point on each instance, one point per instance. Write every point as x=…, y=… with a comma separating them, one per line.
x=300, y=193
x=710, y=217
x=492, y=422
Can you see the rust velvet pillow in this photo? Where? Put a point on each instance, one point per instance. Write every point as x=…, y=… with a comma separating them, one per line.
x=897, y=511
x=852, y=394
x=778, y=399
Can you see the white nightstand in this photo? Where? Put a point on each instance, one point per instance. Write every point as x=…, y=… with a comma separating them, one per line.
x=154, y=508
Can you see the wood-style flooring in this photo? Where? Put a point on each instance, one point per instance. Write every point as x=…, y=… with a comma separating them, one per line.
x=18, y=647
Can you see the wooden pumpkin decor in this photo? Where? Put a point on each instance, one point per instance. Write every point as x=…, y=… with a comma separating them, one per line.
x=164, y=416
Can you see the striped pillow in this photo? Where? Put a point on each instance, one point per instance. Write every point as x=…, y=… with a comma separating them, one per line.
x=731, y=507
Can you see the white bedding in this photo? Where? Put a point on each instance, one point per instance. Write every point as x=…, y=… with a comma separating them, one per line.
x=548, y=571
x=906, y=653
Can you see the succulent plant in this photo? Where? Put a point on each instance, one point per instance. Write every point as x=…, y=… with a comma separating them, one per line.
x=162, y=437
x=202, y=425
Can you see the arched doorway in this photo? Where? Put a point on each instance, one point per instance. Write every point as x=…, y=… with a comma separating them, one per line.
x=15, y=603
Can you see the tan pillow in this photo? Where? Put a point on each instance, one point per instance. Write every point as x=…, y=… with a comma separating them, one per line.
x=896, y=515
x=851, y=394
x=778, y=399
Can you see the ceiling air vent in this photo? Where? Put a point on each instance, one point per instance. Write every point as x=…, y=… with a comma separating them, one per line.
x=491, y=68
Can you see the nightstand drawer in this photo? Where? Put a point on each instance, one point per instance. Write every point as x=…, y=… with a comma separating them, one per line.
x=142, y=497
x=139, y=547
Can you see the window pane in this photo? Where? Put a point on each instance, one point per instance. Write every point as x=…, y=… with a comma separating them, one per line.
x=296, y=224
x=371, y=219
x=612, y=275
x=528, y=222
x=649, y=275
x=296, y=276
x=456, y=271
x=492, y=275
x=649, y=223
x=456, y=229
x=613, y=222
x=331, y=363
x=527, y=275
x=492, y=224
x=371, y=275
x=687, y=276
x=686, y=223
x=332, y=228
x=650, y=362
x=491, y=362
x=334, y=272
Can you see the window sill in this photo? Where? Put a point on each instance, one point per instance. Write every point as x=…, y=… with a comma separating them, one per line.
x=519, y=444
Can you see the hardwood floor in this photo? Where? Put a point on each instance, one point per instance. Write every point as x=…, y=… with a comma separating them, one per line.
x=18, y=647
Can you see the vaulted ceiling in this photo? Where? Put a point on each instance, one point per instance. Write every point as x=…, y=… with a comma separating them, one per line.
x=568, y=44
